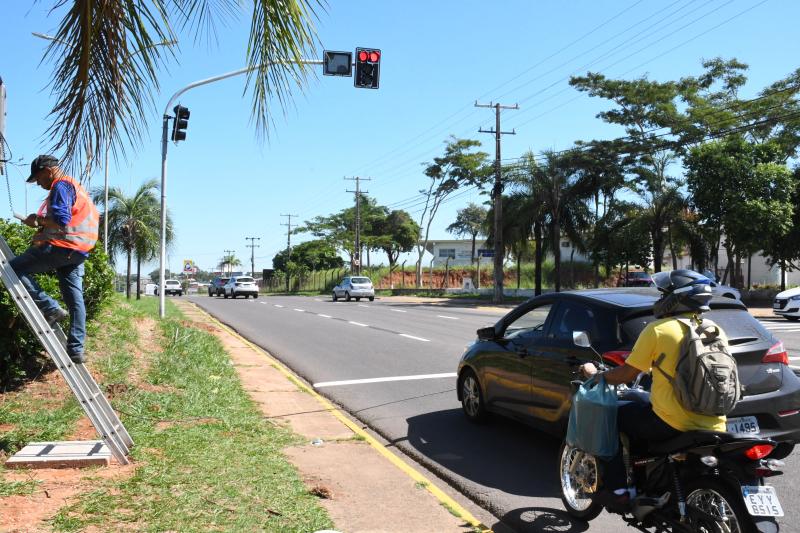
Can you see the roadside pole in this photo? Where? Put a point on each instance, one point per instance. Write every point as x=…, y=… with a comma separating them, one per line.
x=164, y=137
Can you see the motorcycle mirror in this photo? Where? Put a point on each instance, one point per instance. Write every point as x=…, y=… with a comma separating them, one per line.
x=581, y=338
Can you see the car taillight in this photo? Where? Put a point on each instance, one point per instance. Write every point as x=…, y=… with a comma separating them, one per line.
x=759, y=451
x=776, y=354
x=616, y=356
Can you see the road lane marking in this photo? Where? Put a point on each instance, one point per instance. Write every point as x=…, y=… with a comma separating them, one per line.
x=382, y=380
x=413, y=337
x=324, y=316
x=300, y=310
x=447, y=317
x=362, y=305
x=317, y=300
x=277, y=305
x=398, y=310
x=794, y=359
x=263, y=303
x=358, y=324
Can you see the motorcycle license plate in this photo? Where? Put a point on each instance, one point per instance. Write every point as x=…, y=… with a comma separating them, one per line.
x=743, y=424
x=761, y=501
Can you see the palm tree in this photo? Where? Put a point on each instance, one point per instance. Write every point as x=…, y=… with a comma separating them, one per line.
x=132, y=224
x=229, y=261
x=106, y=59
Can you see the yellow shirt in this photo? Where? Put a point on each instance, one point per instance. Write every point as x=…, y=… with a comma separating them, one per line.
x=665, y=336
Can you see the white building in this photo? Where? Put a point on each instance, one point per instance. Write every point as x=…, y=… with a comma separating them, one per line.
x=460, y=250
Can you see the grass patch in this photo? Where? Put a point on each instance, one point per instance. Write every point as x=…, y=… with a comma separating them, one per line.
x=17, y=488
x=205, y=458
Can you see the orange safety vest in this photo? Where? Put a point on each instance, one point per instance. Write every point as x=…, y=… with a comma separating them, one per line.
x=80, y=233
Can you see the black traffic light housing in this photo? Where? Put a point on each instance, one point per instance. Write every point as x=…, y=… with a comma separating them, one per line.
x=368, y=68
x=180, y=123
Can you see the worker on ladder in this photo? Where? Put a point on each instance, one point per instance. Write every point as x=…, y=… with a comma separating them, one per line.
x=67, y=224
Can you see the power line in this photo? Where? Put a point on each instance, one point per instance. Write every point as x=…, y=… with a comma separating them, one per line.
x=357, y=192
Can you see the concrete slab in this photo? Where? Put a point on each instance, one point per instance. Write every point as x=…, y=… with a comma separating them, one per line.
x=61, y=454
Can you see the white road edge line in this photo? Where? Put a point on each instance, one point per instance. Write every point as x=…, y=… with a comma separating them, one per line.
x=357, y=324
x=398, y=310
x=382, y=380
x=447, y=317
x=413, y=337
x=324, y=316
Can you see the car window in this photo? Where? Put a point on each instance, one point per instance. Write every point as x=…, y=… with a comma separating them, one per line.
x=360, y=280
x=575, y=316
x=244, y=280
x=531, y=323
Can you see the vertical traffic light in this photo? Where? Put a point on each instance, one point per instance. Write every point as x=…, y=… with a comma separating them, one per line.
x=181, y=121
x=368, y=68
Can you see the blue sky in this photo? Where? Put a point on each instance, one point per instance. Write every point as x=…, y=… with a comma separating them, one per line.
x=225, y=184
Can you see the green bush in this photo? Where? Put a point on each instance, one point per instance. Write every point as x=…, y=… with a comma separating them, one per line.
x=20, y=352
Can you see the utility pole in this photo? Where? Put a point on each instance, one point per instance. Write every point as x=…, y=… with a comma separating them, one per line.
x=253, y=247
x=228, y=259
x=497, y=197
x=358, y=191
x=288, y=225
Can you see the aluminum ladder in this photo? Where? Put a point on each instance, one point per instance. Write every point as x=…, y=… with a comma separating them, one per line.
x=77, y=376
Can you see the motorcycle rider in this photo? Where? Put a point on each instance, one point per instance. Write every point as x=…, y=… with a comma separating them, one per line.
x=684, y=293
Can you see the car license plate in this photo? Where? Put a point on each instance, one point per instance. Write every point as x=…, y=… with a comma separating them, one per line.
x=761, y=501
x=743, y=424
x=776, y=305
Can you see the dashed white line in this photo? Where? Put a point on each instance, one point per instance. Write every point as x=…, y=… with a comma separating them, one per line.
x=382, y=380
x=398, y=310
x=362, y=305
x=447, y=317
x=413, y=337
x=300, y=310
x=317, y=300
x=263, y=303
x=324, y=316
x=277, y=305
x=357, y=324
x=794, y=359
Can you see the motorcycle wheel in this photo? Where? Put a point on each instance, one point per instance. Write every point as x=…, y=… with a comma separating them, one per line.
x=717, y=499
x=579, y=474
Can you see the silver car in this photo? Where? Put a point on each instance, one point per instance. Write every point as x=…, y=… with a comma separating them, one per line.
x=354, y=287
x=240, y=286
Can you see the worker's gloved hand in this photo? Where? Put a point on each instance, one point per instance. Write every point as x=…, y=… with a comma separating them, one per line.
x=30, y=220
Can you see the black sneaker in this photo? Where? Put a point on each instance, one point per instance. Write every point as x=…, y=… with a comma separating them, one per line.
x=55, y=317
x=614, y=503
x=78, y=358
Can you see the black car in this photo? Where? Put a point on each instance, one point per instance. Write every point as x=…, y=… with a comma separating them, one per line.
x=522, y=366
x=215, y=288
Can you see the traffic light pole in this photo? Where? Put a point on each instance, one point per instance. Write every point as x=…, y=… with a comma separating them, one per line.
x=164, y=141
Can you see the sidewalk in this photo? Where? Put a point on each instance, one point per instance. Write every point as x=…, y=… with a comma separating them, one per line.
x=364, y=486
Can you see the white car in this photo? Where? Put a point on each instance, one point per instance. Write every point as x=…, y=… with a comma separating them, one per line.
x=171, y=286
x=726, y=291
x=240, y=286
x=787, y=304
x=354, y=287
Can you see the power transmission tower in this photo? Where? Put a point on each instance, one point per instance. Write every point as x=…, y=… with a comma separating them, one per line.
x=229, y=260
x=253, y=247
x=497, y=197
x=288, y=225
x=358, y=191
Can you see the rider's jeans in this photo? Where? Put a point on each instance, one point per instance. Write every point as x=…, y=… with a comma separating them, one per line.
x=639, y=423
x=68, y=266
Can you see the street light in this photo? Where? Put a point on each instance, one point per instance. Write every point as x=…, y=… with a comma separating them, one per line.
x=105, y=163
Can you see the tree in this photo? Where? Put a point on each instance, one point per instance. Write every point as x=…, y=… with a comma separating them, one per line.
x=470, y=221
x=457, y=167
x=395, y=234
x=312, y=255
x=133, y=224
x=229, y=261
x=106, y=59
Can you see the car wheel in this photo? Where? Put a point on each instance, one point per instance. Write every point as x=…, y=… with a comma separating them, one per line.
x=358, y=298
x=225, y=295
x=371, y=298
x=347, y=297
x=255, y=295
x=471, y=397
x=246, y=296
x=792, y=318
x=335, y=298
x=579, y=474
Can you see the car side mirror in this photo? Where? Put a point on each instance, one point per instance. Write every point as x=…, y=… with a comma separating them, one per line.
x=581, y=338
x=487, y=334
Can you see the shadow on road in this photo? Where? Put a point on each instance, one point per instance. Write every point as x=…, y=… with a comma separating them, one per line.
x=539, y=519
x=501, y=454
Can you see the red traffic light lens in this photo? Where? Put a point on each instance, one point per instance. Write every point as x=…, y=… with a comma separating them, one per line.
x=363, y=55
x=374, y=56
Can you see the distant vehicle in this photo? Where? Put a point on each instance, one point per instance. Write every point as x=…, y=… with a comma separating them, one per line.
x=354, y=287
x=787, y=304
x=215, y=287
x=240, y=286
x=171, y=286
x=635, y=278
x=726, y=291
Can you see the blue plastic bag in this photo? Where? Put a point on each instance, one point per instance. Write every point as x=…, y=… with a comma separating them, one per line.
x=593, y=419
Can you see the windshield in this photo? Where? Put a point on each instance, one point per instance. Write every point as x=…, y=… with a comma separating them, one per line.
x=359, y=280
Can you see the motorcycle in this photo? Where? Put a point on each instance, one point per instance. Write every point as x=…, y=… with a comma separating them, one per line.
x=699, y=481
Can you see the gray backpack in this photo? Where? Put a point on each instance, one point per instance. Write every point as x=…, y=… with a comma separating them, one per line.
x=706, y=379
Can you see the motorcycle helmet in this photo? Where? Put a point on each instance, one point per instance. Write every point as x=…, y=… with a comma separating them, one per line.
x=682, y=291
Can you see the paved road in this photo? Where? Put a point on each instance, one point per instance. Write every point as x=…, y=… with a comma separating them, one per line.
x=392, y=365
